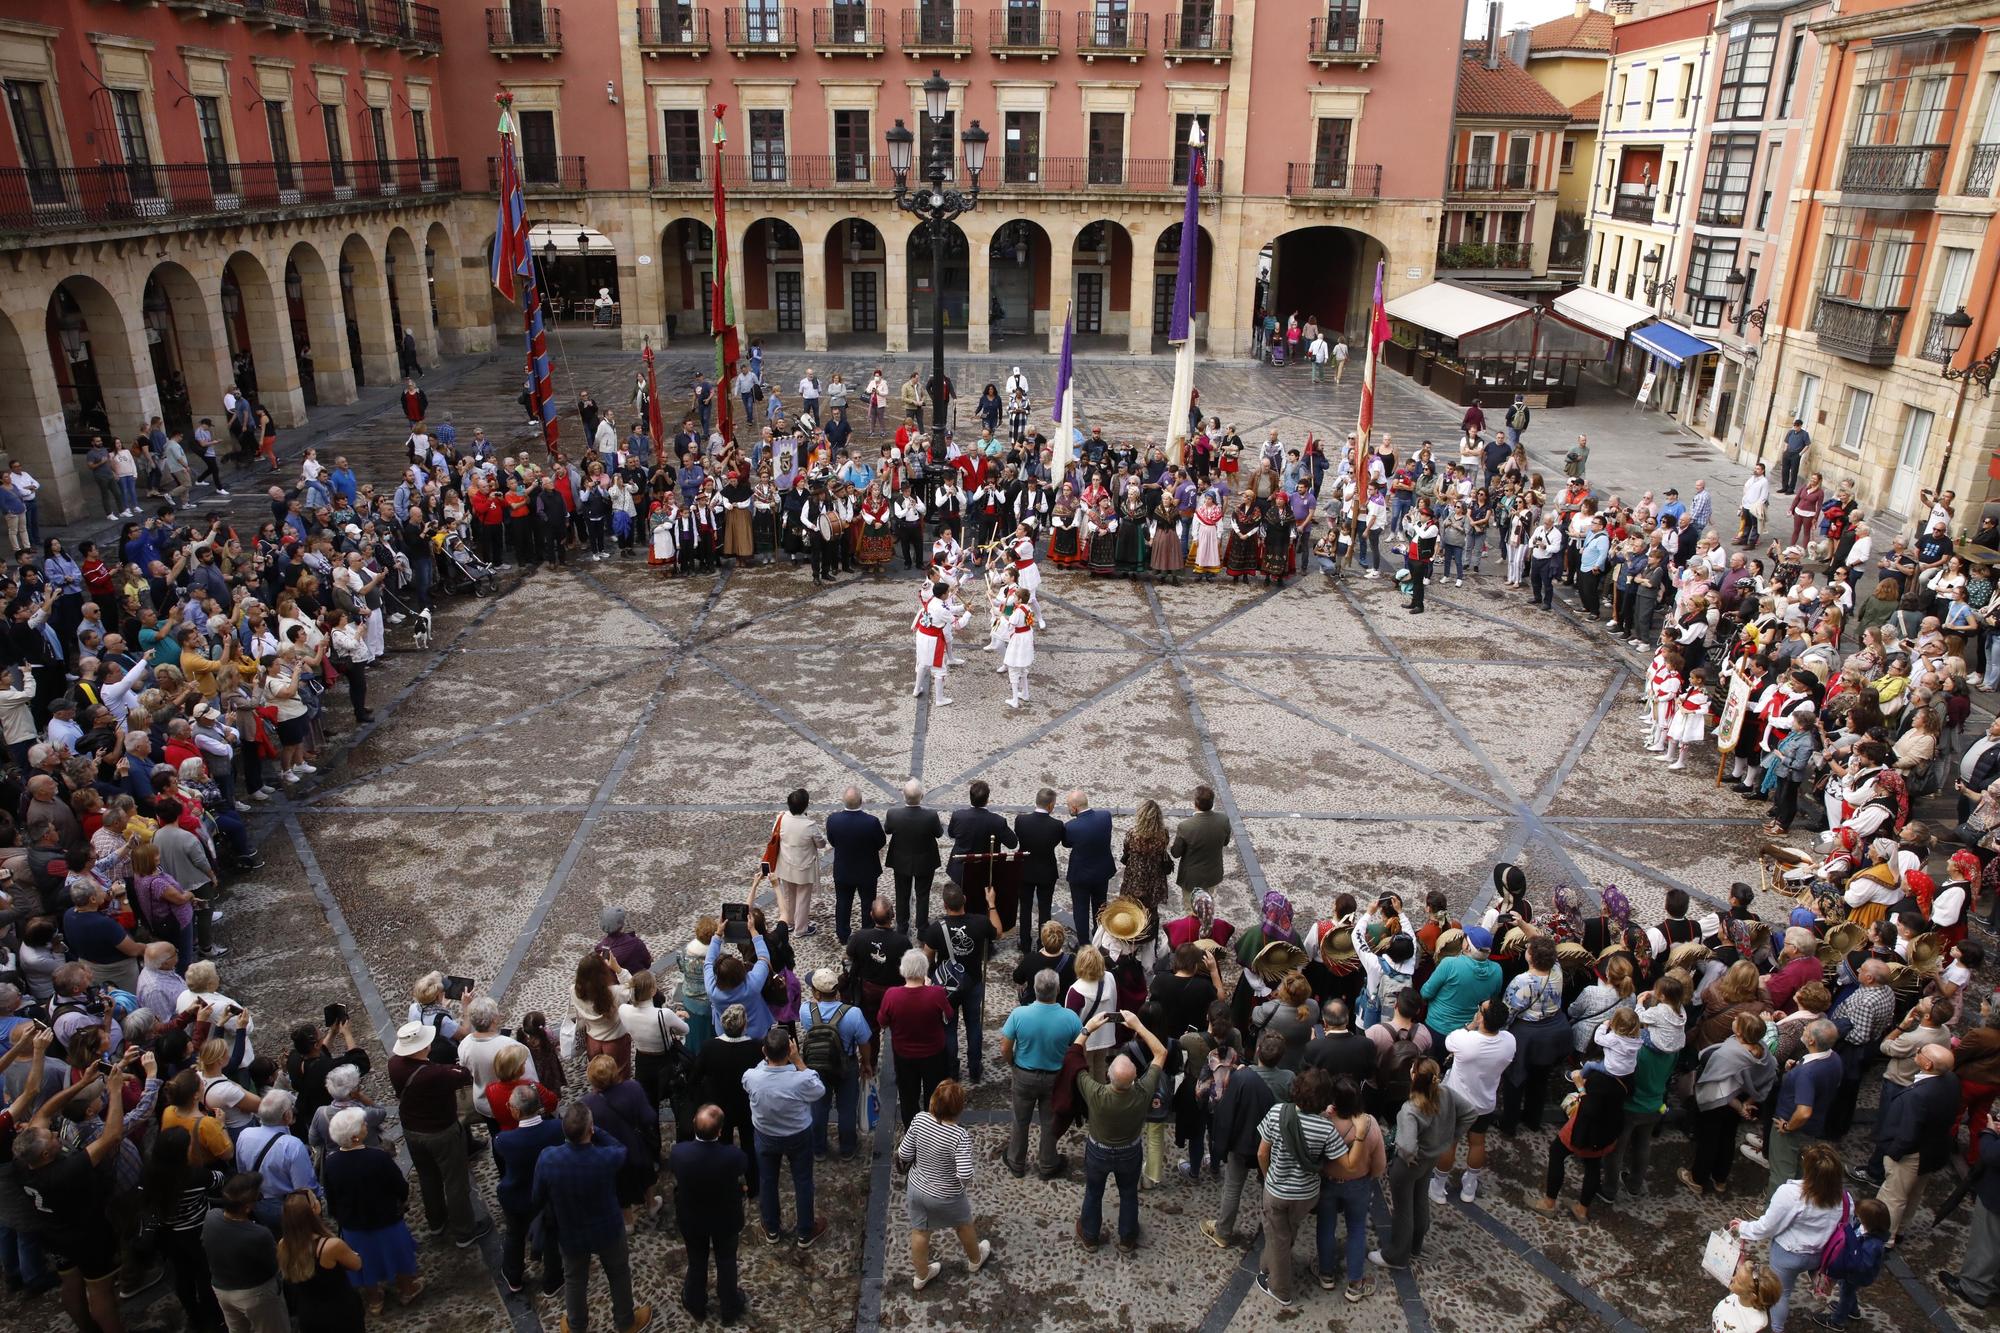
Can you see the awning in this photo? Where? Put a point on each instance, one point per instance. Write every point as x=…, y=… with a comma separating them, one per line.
x=1454, y=311
x=1601, y=312
x=1670, y=344
x=569, y=239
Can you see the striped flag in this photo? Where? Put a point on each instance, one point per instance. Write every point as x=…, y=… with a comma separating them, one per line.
x=722, y=312
x=514, y=277
x=1180, y=329
x=655, y=425
x=1065, y=403
x=1378, y=333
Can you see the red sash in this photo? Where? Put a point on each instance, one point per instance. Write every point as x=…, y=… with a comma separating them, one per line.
x=937, y=651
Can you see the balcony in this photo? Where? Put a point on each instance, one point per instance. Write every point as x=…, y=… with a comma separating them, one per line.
x=1112, y=36
x=849, y=31
x=543, y=175
x=1635, y=207
x=1346, y=41
x=773, y=32
x=937, y=32
x=1209, y=40
x=1866, y=333
x=1981, y=167
x=109, y=196
x=1487, y=256
x=1902, y=171
x=1024, y=32
x=524, y=30
x=1486, y=177
x=671, y=29
x=412, y=27
x=1328, y=180
x=792, y=173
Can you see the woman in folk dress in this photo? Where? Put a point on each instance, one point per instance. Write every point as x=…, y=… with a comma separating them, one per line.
x=663, y=523
x=1240, y=556
x=764, y=514
x=1665, y=691
x=1104, y=539
x=1205, y=537
x=1165, y=558
x=1690, y=719
x=878, y=536
x=1066, y=522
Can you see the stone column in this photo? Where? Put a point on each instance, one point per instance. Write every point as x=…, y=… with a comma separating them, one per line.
x=123, y=361
x=270, y=330
x=979, y=289
x=812, y=269
x=896, y=291
x=1062, y=281
x=31, y=418
x=1139, y=336
x=376, y=326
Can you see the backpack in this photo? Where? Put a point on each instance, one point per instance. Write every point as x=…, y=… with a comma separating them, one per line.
x=821, y=1047
x=1835, y=1252
x=1859, y=1259
x=1392, y=1074
x=948, y=972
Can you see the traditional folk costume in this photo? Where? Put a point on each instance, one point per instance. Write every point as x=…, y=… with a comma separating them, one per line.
x=736, y=536
x=1666, y=687
x=1862, y=803
x=931, y=631
x=764, y=519
x=1131, y=545
x=1166, y=539
x=663, y=523
x=1277, y=557
x=909, y=516
x=1020, y=655
x=1688, y=724
x=1205, y=538
x=1104, y=541
x=878, y=541
x=1066, y=546
x=947, y=558
x=1240, y=555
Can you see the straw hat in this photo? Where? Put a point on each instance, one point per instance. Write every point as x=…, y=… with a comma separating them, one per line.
x=1847, y=937
x=414, y=1039
x=1926, y=951
x=1571, y=954
x=1122, y=919
x=1277, y=960
x=1688, y=954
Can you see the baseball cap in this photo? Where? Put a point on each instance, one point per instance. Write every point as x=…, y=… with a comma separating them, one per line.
x=1479, y=938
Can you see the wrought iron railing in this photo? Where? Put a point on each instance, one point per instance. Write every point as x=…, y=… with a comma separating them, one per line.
x=1333, y=180
x=44, y=199
x=1857, y=331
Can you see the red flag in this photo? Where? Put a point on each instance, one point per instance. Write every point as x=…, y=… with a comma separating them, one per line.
x=1378, y=333
x=654, y=425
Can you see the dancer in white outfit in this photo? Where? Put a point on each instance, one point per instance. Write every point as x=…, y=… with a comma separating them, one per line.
x=1690, y=720
x=1020, y=650
x=931, y=632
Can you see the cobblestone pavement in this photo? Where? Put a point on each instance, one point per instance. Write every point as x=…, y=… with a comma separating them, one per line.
x=601, y=735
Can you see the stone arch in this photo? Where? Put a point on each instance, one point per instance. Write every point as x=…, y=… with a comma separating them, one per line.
x=258, y=333
x=93, y=353
x=957, y=282
x=1020, y=266
x=442, y=263
x=364, y=299
x=319, y=339
x=1323, y=271
x=409, y=293
x=856, y=283
x=773, y=298
x=184, y=343
x=1101, y=281
x=33, y=417
x=1166, y=260
x=687, y=268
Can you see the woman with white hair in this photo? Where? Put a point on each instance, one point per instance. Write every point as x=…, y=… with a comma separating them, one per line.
x=343, y=1084
x=160, y=985
x=204, y=987
x=429, y=1006
x=366, y=1194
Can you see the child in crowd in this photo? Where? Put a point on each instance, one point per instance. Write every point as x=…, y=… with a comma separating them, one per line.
x=1661, y=1016
x=1746, y=1309
x=1859, y=1262
x=1620, y=1041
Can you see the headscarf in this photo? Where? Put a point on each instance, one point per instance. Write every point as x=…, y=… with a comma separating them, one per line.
x=1568, y=915
x=1617, y=907
x=1277, y=923
x=1924, y=887
x=1202, y=908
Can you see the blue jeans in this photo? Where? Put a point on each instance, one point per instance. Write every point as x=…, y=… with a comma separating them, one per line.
x=1348, y=1199
x=1789, y=1266
x=970, y=1004
x=1454, y=562
x=847, y=1093
x=34, y=521
x=1849, y=1304
x=1399, y=505
x=128, y=492
x=1100, y=1162
x=771, y=1150
x=21, y=1257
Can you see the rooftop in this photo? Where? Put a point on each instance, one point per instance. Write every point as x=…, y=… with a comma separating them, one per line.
x=1505, y=90
x=1588, y=31
x=1589, y=111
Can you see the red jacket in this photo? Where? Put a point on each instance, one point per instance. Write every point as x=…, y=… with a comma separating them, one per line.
x=487, y=508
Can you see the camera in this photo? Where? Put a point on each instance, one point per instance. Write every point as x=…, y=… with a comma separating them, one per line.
x=454, y=987
x=335, y=1015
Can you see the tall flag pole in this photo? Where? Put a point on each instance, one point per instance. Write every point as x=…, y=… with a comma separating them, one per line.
x=1378, y=333
x=655, y=425
x=1065, y=403
x=1180, y=330
x=722, y=315
x=514, y=276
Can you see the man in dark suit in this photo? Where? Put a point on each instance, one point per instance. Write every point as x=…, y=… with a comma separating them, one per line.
x=1198, y=843
x=857, y=841
x=1915, y=1135
x=975, y=829
x=515, y=1153
x=1088, y=837
x=1040, y=833
x=913, y=854
x=708, y=1200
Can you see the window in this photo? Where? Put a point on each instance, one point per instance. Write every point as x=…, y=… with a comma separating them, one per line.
x=1725, y=185
x=1022, y=160
x=1519, y=148
x=764, y=21
x=1107, y=147
x=1652, y=90
x=27, y=107
x=1769, y=187
x=336, y=151
x=767, y=145
x=1343, y=25
x=1596, y=260
x=539, y=163
x=1808, y=400
x=1954, y=281
x=937, y=23
x=1854, y=430
x=1568, y=156
x=850, y=145
x=1618, y=98
x=1024, y=22
x=1793, y=58
x=1670, y=180
x=1197, y=25
x=1749, y=294
x=850, y=21
x=1331, y=141
x=281, y=144
x=215, y=152
x=1746, y=69
x=940, y=138
x=378, y=130
x=420, y=140
x=130, y=118
x=1917, y=425
x=1184, y=124
x=1112, y=24
x=1687, y=89
x=680, y=144
x=1708, y=269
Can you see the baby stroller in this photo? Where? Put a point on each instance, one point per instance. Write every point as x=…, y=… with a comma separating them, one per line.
x=1278, y=348
x=460, y=570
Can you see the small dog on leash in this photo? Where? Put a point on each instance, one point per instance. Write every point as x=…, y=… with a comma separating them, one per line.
x=421, y=626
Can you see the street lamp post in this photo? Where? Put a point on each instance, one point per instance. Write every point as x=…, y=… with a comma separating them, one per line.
x=1951, y=336
x=1732, y=308
x=935, y=208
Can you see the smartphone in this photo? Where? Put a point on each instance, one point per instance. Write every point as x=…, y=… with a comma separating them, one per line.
x=335, y=1015
x=456, y=986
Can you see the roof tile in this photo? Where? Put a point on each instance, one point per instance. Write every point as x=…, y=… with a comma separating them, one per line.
x=1507, y=90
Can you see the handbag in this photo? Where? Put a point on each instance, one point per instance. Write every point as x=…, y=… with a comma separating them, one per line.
x=1721, y=1256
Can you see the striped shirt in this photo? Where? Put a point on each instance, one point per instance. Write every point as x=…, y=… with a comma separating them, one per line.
x=938, y=1155
x=1290, y=1178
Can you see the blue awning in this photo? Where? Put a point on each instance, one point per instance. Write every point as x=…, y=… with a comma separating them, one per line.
x=1673, y=346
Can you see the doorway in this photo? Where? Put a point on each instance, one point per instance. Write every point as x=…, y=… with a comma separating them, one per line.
x=791, y=300
x=863, y=301
x=1090, y=303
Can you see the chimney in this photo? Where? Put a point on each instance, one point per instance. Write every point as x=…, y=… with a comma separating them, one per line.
x=1582, y=8
x=1517, y=44
x=1493, y=34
